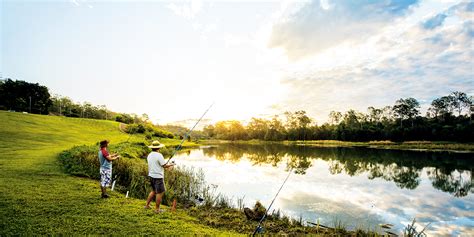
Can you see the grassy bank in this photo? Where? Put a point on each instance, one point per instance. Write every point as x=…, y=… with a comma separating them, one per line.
x=183, y=184
x=37, y=197
x=408, y=145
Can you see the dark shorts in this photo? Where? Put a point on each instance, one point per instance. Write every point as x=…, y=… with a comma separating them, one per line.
x=158, y=185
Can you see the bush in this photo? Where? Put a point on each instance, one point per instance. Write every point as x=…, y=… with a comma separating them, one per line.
x=131, y=172
x=149, y=130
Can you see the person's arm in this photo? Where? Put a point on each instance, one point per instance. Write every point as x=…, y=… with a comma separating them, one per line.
x=109, y=157
x=162, y=162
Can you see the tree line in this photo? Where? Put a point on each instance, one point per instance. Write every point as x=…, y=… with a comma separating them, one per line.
x=449, y=118
x=21, y=96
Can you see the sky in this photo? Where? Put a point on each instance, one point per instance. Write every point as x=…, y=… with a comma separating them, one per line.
x=172, y=59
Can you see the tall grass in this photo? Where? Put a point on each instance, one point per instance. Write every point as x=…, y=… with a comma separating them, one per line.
x=131, y=174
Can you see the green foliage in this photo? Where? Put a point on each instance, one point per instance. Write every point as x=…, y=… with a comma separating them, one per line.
x=38, y=198
x=149, y=130
x=131, y=171
x=124, y=118
x=387, y=123
x=19, y=95
x=180, y=131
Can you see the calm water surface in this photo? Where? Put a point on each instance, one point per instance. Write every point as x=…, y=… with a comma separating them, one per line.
x=360, y=187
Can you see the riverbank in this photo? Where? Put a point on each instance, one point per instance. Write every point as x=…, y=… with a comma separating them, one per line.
x=408, y=145
x=38, y=198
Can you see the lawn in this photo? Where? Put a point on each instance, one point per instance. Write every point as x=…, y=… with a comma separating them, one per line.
x=37, y=197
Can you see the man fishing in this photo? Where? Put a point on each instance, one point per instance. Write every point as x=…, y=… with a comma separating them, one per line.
x=156, y=170
x=105, y=160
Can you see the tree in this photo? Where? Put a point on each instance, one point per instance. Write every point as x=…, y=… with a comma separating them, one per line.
x=460, y=101
x=471, y=107
x=209, y=130
x=375, y=114
x=236, y=130
x=221, y=130
x=145, y=117
x=351, y=119
x=440, y=106
x=406, y=109
x=387, y=114
x=24, y=96
x=276, y=130
x=335, y=117
x=297, y=124
x=257, y=128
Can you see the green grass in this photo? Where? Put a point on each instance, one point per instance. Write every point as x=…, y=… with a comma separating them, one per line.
x=37, y=197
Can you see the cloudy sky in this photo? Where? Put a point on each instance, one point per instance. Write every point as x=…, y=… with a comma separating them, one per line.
x=171, y=60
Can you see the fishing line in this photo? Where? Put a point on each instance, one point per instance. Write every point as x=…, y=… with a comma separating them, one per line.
x=180, y=144
x=187, y=135
x=259, y=227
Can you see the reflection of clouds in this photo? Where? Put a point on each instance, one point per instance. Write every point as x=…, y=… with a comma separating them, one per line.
x=312, y=206
x=319, y=194
x=452, y=229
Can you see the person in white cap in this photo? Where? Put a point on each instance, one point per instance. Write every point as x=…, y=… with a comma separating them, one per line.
x=156, y=170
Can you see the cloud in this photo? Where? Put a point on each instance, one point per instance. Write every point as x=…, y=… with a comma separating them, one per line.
x=319, y=25
x=405, y=59
x=463, y=10
x=435, y=21
x=78, y=3
x=188, y=10
x=74, y=2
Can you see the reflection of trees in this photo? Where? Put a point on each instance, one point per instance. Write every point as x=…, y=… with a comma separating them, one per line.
x=458, y=183
x=404, y=177
x=450, y=172
x=261, y=154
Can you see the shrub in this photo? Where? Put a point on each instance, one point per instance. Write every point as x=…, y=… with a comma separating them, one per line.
x=149, y=130
x=131, y=171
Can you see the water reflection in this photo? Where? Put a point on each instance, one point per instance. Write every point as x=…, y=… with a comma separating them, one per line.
x=448, y=172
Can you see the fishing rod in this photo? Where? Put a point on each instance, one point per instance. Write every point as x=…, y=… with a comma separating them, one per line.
x=187, y=134
x=259, y=227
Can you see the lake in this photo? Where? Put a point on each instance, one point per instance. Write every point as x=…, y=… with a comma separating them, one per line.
x=359, y=187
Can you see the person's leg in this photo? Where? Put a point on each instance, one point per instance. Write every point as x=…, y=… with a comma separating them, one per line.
x=149, y=199
x=106, y=178
x=159, y=196
x=103, y=183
